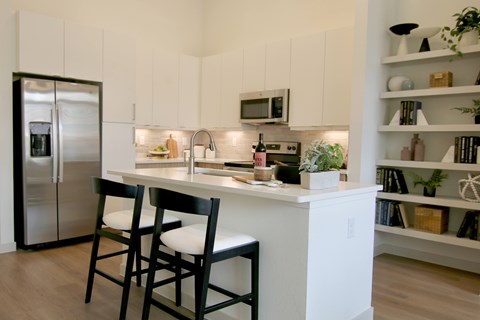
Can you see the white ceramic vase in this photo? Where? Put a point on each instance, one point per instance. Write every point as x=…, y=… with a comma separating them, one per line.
x=469, y=38
x=319, y=180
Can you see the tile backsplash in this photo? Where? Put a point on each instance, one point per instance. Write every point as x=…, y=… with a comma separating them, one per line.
x=236, y=144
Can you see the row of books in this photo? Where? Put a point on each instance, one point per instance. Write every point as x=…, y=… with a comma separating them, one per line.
x=469, y=226
x=392, y=180
x=466, y=148
x=391, y=213
x=409, y=112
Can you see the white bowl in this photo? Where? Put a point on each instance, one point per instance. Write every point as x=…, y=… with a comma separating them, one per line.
x=425, y=32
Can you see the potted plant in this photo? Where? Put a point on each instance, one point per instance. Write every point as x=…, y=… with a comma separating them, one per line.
x=319, y=165
x=430, y=185
x=466, y=30
x=475, y=110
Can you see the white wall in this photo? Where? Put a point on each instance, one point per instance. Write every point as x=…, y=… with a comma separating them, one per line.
x=175, y=25
x=233, y=24
x=6, y=165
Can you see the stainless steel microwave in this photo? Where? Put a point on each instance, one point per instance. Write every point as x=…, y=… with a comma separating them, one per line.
x=262, y=107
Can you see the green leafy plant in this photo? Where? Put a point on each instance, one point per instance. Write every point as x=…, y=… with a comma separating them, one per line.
x=475, y=110
x=321, y=156
x=467, y=20
x=434, y=182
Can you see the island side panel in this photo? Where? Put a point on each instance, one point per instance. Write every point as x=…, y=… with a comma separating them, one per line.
x=341, y=235
x=282, y=230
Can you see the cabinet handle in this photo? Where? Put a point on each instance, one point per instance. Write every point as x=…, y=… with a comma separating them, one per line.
x=134, y=111
x=133, y=135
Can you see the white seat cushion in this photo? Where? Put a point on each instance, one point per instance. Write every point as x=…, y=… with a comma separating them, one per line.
x=191, y=239
x=122, y=220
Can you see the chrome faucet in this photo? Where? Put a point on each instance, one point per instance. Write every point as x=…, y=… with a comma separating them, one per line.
x=191, y=163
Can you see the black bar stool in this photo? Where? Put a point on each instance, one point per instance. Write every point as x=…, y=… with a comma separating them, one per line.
x=135, y=222
x=206, y=244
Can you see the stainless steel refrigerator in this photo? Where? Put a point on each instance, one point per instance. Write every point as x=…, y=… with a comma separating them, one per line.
x=56, y=151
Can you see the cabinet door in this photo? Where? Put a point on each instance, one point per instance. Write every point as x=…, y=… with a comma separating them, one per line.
x=144, y=86
x=338, y=76
x=83, y=52
x=189, y=92
x=277, y=74
x=165, y=89
x=118, y=78
x=306, y=81
x=40, y=44
x=231, y=86
x=254, y=68
x=118, y=148
x=211, y=86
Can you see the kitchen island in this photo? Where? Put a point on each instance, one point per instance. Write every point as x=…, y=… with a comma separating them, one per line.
x=316, y=246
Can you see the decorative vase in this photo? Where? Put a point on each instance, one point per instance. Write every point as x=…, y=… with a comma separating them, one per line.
x=413, y=142
x=468, y=38
x=419, y=151
x=429, y=192
x=395, y=83
x=405, y=154
x=319, y=180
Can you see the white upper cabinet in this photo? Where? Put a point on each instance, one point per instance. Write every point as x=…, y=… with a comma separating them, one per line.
x=211, y=86
x=165, y=89
x=254, y=68
x=50, y=46
x=189, y=92
x=144, y=86
x=307, y=80
x=338, y=77
x=119, y=63
x=277, y=69
x=83, y=52
x=221, y=87
x=231, y=86
x=40, y=44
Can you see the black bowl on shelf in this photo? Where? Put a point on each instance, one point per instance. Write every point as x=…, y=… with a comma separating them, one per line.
x=287, y=173
x=403, y=28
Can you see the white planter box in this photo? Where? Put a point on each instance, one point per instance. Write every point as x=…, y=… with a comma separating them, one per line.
x=319, y=180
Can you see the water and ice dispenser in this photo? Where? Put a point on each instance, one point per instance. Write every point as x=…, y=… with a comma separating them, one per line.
x=40, y=139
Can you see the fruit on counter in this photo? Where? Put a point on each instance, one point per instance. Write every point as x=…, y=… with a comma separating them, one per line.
x=160, y=148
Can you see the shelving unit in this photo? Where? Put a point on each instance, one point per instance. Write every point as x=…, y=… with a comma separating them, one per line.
x=422, y=63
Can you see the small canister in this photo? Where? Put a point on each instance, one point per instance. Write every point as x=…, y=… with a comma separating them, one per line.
x=262, y=173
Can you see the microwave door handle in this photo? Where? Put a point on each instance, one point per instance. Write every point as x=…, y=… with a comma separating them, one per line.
x=270, y=108
x=54, y=144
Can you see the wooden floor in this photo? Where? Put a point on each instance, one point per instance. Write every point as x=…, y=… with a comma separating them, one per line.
x=49, y=284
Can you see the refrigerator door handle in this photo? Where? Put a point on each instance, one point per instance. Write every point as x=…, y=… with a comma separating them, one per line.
x=60, y=143
x=55, y=145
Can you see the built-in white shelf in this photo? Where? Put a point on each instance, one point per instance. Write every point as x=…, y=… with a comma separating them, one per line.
x=430, y=92
x=429, y=165
x=437, y=200
x=447, y=238
x=431, y=128
x=429, y=55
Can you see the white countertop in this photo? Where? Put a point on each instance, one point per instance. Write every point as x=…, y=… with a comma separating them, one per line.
x=285, y=192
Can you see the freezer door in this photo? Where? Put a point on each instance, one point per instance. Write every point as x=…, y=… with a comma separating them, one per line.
x=40, y=200
x=79, y=157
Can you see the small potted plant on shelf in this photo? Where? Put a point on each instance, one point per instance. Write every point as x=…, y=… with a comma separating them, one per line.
x=429, y=186
x=466, y=30
x=474, y=110
x=319, y=165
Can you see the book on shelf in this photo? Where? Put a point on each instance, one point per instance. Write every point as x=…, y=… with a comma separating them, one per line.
x=465, y=149
x=392, y=180
x=403, y=214
x=469, y=228
x=409, y=110
x=388, y=213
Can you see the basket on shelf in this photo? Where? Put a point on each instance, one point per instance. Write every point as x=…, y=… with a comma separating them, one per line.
x=441, y=79
x=469, y=189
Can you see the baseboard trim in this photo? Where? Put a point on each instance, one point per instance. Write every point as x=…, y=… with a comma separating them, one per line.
x=429, y=257
x=8, y=247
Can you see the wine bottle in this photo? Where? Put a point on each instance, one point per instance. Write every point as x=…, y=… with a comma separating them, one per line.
x=260, y=153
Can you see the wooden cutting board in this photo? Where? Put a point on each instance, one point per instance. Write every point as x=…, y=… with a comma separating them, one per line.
x=172, y=146
x=249, y=179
